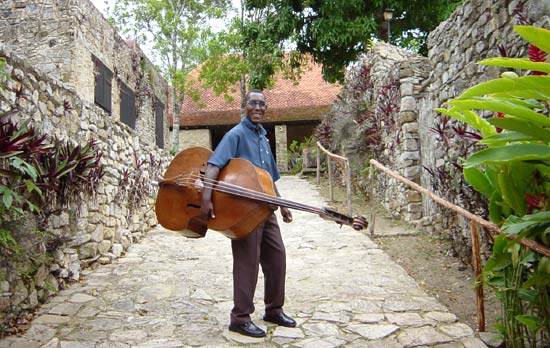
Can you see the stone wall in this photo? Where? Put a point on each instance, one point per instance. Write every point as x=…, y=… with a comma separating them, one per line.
x=60, y=38
x=49, y=81
x=195, y=137
x=404, y=139
x=476, y=30
x=376, y=117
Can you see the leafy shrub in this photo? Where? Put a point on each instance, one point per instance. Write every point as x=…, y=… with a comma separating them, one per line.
x=513, y=172
x=40, y=175
x=135, y=183
x=296, y=151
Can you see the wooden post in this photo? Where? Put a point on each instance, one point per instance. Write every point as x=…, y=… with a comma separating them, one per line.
x=318, y=164
x=372, y=201
x=476, y=261
x=329, y=168
x=348, y=187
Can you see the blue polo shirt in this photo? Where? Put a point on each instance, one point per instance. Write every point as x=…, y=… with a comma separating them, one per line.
x=248, y=141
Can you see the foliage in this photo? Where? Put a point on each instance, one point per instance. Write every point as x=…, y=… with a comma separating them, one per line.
x=225, y=66
x=135, y=183
x=296, y=153
x=335, y=32
x=40, y=175
x=178, y=33
x=2, y=72
x=373, y=110
x=324, y=131
x=513, y=172
x=249, y=53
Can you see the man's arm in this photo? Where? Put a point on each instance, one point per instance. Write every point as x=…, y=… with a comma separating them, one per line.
x=207, y=208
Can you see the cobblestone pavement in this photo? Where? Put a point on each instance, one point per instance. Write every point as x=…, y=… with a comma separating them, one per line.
x=169, y=291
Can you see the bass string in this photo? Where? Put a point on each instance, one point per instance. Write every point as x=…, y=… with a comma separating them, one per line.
x=225, y=187
x=190, y=180
x=259, y=196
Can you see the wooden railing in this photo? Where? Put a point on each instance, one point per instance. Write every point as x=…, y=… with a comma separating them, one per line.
x=475, y=221
x=347, y=173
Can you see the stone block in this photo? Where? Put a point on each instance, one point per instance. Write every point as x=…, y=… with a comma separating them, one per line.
x=411, y=127
x=414, y=207
x=411, y=172
x=41, y=275
x=406, y=88
x=108, y=233
x=88, y=250
x=407, y=116
x=408, y=103
x=98, y=234
x=117, y=249
x=104, y=246
x=79, y=239
x=414, y=196
x=409, y=156
x=4, y=286
x=410, y=144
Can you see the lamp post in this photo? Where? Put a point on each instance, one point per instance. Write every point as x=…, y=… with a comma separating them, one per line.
x=388, y=15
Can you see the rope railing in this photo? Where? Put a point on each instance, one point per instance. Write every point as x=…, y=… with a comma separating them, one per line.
x=347, y=173
x=475, y=221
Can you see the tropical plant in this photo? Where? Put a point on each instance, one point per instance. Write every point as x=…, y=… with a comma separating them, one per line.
x=2, y=71
x=513, y=172
x=135, y=185
x=296, y=153
x=40, y=175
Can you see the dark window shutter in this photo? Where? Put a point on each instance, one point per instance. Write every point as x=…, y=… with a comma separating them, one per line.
x=107, y=84
x=127, y=106
x=103, y=82
x=159, y=123
x=98, y=95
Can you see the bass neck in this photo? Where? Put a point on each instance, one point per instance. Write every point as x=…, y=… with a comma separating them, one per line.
x=358, y=222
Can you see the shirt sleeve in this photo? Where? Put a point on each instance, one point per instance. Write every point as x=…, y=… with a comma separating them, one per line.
x=225, y=151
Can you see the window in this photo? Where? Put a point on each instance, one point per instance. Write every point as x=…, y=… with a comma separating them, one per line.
x=103, y=81
x=159, y=122
x=127, y=106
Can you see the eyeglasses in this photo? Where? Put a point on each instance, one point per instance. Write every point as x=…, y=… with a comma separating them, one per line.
x=254, y=103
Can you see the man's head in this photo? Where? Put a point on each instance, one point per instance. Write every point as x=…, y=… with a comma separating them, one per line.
x=255, y=105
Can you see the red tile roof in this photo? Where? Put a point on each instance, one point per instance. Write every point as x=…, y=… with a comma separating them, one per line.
x=287, y=101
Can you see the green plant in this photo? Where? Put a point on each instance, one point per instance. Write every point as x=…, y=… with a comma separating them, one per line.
x=296, y=152
x=69, y=173
x=40, y=175
x=513, y=172
x=134, y=185
x=2, y=72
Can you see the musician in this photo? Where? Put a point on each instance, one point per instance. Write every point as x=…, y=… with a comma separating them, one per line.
x=264, y=246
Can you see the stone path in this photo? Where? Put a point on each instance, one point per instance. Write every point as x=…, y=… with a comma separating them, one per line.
x=169, y=292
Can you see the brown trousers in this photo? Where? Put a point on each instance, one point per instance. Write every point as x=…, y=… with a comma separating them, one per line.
x=262, y=247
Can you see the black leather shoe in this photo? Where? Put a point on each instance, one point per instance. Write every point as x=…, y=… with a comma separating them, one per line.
x=280, y=319
x=247, y=329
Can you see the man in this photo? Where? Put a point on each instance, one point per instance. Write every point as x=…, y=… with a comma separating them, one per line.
x=264, y=246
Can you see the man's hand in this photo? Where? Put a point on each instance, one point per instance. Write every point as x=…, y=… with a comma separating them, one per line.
x=207, y=210
x=287, y=215
x=210, y=176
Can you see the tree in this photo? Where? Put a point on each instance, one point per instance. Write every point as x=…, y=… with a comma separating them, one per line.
x=335, y=32
x=178, y=31
x=249, y=52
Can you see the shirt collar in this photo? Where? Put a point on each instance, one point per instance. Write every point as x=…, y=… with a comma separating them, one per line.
x=248, y=124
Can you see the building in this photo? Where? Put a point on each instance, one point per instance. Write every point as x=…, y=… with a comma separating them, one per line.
x=71, y=41
x=294, y=110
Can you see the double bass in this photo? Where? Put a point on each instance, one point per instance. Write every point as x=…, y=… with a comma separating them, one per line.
x=243, y=197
